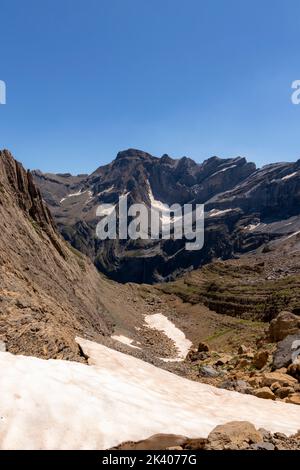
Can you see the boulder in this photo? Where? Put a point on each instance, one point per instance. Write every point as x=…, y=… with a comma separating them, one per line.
x=260, y=359
x=263, y=446
x=264, y=392
x=283, y=392
x=287, y=352
x=236, y=385
x=233, y=435
x=203, y=347
x=208, y=371
x=294, y=371
x=275, y=386
x=223, y=359
x=294, y=399
x=285, y=324
x=284, y=380
x=243, y=349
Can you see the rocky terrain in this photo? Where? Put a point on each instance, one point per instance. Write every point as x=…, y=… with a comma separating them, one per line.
x=235, y=435
x=245, y=208
x=232, y=325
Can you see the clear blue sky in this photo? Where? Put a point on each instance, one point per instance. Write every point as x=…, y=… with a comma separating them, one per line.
x=86, y=79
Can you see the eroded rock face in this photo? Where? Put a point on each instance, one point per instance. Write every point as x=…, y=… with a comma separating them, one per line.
x=285, y=324
x=47, y=292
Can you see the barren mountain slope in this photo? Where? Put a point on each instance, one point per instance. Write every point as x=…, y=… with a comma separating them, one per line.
x=48, y=291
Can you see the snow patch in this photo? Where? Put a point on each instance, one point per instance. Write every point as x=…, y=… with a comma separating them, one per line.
x=79, y=193
x=162, y=323
x=216, y=212
x=223, y=169
x=293, y=235
x=108, y=190
x=252, y=227
x=125, y=340
x=55, y=404
x=289, y=176
x=163, y=209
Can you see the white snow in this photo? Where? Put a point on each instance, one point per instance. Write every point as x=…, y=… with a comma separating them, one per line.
x=289, y=176
x=58, y=404
x=160, y=322
x=223, y=169
x=252, y=227
x=163, y=209
x=123, y=339
x=108, y=190
x=215, y=212
x=292, y=235
x=79, y=193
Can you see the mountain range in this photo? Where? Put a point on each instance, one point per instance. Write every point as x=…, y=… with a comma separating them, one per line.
x=113, y=362
x=245, y=209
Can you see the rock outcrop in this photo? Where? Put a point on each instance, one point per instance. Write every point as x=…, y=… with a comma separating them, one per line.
x=286, y=323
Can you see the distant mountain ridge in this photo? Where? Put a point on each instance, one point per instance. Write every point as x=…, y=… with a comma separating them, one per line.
x=245, y=208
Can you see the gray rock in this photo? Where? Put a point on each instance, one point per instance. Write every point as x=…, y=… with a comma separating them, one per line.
x=263, y=446
x=236, y=385
x=208, y=371
x=2, y=346
x=265, y=434
x=287, y=351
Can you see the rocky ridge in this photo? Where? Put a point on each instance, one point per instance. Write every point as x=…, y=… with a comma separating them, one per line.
x=246, y=208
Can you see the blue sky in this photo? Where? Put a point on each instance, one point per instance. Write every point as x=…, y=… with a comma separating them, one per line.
x=197, y=78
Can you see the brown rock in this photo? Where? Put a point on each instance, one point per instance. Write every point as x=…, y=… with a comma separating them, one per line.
x=203, y=347
x=254, y=381
x=284, y=392
x=243, y=363
x=265, y=392
x=242, y=349
x=286, y=323
x=294, y=371
x=155, y=442
x=275, y=386
x=195, y=444
x=294, y=399
x=284, y=380
x=233, y=435
x=223, y=359
x=260, y=359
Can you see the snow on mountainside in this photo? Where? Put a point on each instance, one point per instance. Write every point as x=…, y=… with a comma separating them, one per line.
x=236, y=196
x=67, y=405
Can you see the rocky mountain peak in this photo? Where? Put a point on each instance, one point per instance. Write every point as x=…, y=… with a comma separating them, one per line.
x=133, y=154
x=18, y=183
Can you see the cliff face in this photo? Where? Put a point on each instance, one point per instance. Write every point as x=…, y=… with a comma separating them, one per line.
x=48, y=293
x=21, y=188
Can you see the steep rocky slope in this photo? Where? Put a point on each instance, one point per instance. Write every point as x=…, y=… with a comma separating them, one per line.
x=245, y=208
x=48, y=292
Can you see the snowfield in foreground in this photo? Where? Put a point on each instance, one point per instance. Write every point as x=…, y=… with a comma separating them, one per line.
x=66, y=405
